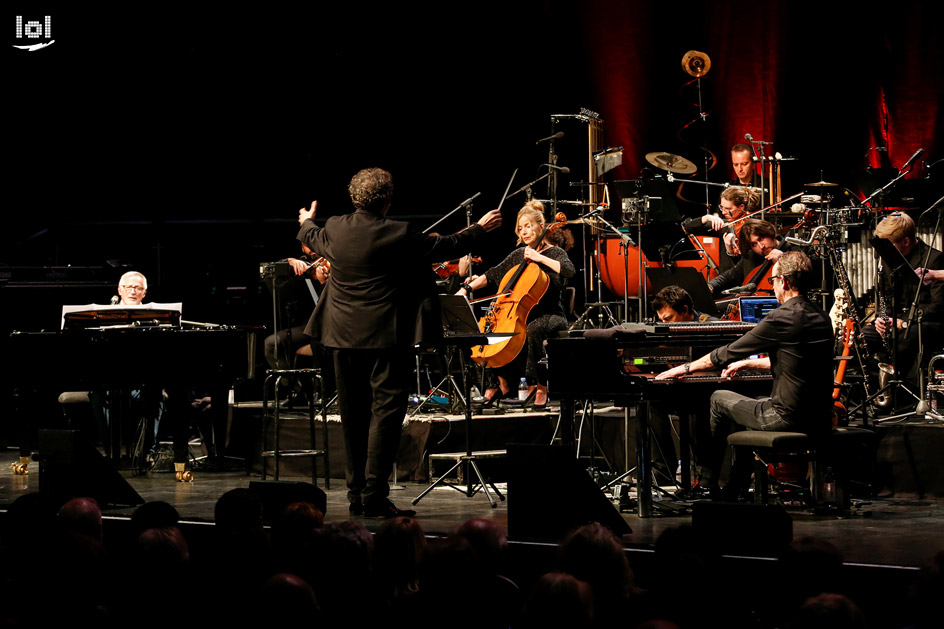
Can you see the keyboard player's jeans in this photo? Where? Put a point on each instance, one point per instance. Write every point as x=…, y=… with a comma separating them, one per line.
x=731, y=412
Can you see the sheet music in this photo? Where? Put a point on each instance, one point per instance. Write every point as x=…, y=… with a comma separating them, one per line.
x=66, y=309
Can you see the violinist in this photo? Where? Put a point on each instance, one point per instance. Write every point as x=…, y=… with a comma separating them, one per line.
x=295, y=305
x=736, y=202
x=548, y=316
x=759, y=243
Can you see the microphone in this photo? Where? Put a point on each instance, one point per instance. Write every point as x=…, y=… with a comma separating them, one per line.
x=115, y=300
x=911, y=160
x=562, y=169
x=737, y=290
x=556, y=136
x=747, y=136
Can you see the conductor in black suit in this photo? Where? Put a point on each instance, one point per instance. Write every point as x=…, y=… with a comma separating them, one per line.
x=379, y=304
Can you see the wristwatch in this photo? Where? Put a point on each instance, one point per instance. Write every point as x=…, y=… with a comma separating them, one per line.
x=466, y=286
x=688, y=368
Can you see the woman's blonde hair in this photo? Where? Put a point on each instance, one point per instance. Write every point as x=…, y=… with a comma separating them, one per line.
x=533, y=210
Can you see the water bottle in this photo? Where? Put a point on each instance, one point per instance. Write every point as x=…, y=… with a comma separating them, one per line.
x=523, y=390
x=829, y=488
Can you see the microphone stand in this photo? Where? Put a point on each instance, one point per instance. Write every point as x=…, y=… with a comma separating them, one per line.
x=466, y=203
x=626, y=240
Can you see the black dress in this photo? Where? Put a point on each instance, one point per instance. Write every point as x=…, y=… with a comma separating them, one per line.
x=548, y=316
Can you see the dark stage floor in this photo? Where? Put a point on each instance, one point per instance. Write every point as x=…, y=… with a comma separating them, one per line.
x=900, y=530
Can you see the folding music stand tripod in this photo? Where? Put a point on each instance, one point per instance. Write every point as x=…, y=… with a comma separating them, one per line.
x=461, y=331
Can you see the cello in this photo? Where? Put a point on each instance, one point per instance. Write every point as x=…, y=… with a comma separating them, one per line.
x=521, y=289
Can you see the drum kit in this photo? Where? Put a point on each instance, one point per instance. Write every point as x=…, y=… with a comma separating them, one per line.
x=620, y=262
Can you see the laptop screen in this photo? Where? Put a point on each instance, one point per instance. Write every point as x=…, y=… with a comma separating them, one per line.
x=753, y=309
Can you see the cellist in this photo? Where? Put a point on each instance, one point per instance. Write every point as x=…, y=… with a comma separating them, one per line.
x=759, y=243
x=548, y=316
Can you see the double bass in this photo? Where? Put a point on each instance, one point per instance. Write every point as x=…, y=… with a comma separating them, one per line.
x=521, y=289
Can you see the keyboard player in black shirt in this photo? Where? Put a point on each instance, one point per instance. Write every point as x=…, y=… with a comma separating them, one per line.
x=798, y=340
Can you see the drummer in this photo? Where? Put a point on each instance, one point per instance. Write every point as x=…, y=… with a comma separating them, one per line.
x=548, y=316
x=742, y=162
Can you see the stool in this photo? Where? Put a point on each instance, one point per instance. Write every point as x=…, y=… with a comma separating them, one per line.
x=822, y=453
x=269, y=415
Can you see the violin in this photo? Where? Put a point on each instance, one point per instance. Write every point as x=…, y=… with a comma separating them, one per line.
x=521, y=289
x=319, y=263
x=445, y=270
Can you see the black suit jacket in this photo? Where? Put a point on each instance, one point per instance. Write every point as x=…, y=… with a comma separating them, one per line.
x=380, y=294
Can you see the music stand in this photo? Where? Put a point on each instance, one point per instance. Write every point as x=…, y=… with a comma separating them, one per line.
x=461, y=332
x=457, y=319
x=688, y=278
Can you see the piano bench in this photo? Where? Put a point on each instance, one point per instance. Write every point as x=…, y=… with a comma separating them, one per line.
x=832, y=452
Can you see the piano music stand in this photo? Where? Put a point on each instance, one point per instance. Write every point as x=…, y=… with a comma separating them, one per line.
x=688, y=278
x=461, y=332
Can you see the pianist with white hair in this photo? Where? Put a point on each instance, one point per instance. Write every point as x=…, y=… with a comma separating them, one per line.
x=132, y=289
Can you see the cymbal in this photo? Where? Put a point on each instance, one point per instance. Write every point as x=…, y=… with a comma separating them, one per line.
x=822, y=184
x=671, y=163
x=696, y=63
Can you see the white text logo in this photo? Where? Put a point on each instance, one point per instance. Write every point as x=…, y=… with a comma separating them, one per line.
x=33, y=30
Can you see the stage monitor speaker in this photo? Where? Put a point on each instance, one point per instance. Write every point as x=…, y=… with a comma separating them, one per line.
x=276, y=495
x=743, y=528
x=71, y=467
x=550, y=494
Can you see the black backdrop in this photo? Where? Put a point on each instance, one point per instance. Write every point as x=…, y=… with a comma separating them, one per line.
x=182, y=141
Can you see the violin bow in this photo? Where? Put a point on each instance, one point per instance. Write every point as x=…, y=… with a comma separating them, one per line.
x=747, y=216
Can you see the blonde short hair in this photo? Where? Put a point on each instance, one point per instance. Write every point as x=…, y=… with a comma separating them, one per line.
x=896, y=226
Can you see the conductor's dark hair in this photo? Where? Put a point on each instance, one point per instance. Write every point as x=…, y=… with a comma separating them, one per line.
x=371, y=190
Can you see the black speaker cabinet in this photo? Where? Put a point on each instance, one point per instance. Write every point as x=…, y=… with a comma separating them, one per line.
x=549, y=494
x=71, y=467
x=743, y=528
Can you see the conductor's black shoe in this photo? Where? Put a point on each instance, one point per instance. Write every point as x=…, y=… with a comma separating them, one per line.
x=356, y=507
x=386, y=509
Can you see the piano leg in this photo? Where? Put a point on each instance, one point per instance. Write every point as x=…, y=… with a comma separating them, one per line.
x=643, y=465
x=183, y=475
x=21, y=468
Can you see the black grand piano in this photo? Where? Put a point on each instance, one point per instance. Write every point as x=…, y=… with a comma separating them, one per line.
x=618, y=365
x=123, y=349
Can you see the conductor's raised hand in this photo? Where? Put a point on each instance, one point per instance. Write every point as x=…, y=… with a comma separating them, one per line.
x=491, y=220
x=304, y=215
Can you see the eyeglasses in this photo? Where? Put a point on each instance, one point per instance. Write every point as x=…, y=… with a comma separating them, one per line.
x=778, y=277
x=130, y=287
